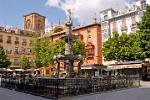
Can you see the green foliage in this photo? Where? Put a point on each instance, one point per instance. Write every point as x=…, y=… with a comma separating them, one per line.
x=58, y=47
x=41, y=50
x=44, y=50
x=24, y=62
x=130, y=47
x=145, y=23
x=78, y=47
x=4, y=60
x=124, y=47
x=111, y=47
x=144, y=33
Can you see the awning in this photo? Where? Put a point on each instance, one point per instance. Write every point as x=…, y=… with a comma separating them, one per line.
x=93, y=66
x=19, y=69
x=108, y=69
x=125, y=66
x=9, y=70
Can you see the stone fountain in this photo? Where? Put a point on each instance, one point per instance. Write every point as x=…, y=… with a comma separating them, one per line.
x=69, y=57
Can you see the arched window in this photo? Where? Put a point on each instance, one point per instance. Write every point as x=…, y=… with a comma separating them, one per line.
x=28, y=24
x=39, y=25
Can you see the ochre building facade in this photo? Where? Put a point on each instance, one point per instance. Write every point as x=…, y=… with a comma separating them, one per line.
x=17, y=42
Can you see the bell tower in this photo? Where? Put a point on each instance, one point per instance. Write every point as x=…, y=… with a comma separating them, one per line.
x=34, y=22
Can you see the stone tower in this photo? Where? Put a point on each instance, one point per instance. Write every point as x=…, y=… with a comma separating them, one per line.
x=34, y=22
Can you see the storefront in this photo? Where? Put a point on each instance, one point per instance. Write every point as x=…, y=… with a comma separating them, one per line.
x=127, y=69
x=145, y=73
x=93, y=69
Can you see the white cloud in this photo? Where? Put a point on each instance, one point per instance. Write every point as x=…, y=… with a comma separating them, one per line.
x=54, y=3
x=84, y=10
x=148, y=1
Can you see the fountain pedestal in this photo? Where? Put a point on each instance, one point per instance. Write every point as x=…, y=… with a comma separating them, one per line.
x=69, y=57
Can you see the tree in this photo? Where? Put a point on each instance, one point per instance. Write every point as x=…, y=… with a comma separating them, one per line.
x=144, y=34
x=41, y=50
x=24, y=62
x=59, y=47
x=123, y=47
x=111, y=47
x=130, y=47
x=78, y=47
x=44, y=50
x=4, y=60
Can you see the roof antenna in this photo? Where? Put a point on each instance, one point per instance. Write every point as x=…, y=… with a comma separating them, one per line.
x=59, y=21
x=95, y=19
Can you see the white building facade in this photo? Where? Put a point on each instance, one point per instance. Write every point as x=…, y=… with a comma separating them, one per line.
x=122, y=21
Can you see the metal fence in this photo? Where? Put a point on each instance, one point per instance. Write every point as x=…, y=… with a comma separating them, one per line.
x=57, y=88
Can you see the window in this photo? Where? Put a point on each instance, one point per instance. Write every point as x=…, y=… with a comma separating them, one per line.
x=105, y=17
x=47, y=72
x=8, y=51
x=1, y=38
x=16, y=62
x=28, y=50
x=30, y=43
x=24, y=42
x=17, y=40
x=23, y=50
x=9, y=39
x=16, y=50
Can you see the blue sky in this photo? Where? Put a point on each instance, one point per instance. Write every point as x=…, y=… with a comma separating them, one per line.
x=12, y=11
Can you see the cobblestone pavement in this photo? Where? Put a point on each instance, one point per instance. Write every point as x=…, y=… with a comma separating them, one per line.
x=6, y=94
x=142, y=93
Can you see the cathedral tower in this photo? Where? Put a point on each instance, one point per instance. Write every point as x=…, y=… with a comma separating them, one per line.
x=34, y=22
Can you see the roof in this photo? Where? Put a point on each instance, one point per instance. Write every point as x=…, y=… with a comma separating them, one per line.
x=33, y=13
x=75, y=29
x=107, y=10
x=121, y=15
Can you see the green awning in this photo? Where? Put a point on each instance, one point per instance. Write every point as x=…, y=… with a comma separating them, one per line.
x=108, y=69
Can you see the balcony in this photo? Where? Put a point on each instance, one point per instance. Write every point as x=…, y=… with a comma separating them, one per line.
x=8, y=52
x=16, y=53
x=9, y=41
x=1, y=41
x=16, y=42
x=30, y=44
x=24, y=43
